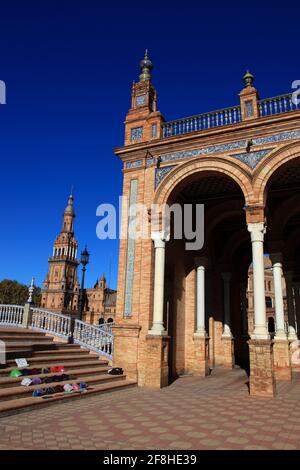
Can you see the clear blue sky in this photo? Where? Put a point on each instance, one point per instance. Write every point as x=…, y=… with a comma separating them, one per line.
x=69, y=66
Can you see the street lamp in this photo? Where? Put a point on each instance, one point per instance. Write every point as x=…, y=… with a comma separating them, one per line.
x=84, y=260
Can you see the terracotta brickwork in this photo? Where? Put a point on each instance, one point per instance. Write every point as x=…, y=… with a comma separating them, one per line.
x=228, y=352
x=157, y=373
x=282, y=360
x=201, y=358
x=262, y=382
x=230, y=168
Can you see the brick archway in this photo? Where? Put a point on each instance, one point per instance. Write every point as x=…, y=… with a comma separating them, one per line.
x=269, y=165
x=216, y=165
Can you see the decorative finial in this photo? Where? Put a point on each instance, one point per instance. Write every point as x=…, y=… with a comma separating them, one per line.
x=248, y=78
x=146, y=67
x=31, y=290
x=70, y=209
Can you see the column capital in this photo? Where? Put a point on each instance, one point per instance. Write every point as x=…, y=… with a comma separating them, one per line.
x=276, y=258
x=257, y=231
x=201, y=261
x=160, y=238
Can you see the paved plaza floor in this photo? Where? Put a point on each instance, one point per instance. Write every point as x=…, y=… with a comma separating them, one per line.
x=193, y=413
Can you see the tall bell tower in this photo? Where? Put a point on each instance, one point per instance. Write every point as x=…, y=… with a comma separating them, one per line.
x=143, y=121
x=61, y=287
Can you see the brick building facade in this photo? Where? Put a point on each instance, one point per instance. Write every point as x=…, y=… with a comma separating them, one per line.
x=179, y=311
x=61, y=288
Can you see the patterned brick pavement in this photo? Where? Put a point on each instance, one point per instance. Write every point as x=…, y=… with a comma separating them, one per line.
x=193, y=413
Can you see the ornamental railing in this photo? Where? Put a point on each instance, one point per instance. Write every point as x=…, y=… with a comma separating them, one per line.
x=11, y=315
x=50, y=322
x=221, y=117
x=94, y=338
x=277, y=105
x=106, y=327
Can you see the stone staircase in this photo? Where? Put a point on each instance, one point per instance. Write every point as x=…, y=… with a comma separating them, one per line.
x=43, y=351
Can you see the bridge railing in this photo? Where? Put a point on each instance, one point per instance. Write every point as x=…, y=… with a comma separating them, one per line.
x=11, y=315
x=200, y=122
x=50, y=322
x=94, y=338
x=277, y=105
x=222, y=117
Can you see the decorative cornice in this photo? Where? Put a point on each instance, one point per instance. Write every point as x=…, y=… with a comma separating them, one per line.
x=240, y=144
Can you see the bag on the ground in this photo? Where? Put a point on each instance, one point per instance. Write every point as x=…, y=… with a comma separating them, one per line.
x=115, y=371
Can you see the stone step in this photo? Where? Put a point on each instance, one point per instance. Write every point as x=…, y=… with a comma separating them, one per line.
x=24, y=404
x=11, y=393
x=59, y=359
x=61, y=350
x=24, y=338
x=7, y=381
x=10, y=330
x=15, y=345
x=70, y=365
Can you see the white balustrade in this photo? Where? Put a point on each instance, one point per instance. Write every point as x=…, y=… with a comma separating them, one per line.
x=94, y=338
x=11, y=315
x=51, y=322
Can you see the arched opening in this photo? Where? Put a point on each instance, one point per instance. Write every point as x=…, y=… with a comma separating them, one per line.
x=271, y=325
x=101, y=321
x=227, y=254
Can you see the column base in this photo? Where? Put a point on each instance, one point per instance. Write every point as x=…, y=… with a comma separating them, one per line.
x=282, y=359
x=228, y=351
x=126, y=349
x=157, y=368
x=201, y=354
x=262, y=382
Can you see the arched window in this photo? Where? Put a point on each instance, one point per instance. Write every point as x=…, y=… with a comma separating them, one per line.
x=101, y=321
x=110, y=320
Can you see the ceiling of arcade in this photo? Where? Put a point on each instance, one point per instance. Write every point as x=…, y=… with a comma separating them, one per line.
x=224, y=202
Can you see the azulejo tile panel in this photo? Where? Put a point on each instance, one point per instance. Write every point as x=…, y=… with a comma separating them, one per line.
x=241, y=144
x=160, y=173
x=252, y=158
x=135, y=164
x=130, y=249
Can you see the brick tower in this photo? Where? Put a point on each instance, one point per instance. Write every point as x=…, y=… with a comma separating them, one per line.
x=61, y=287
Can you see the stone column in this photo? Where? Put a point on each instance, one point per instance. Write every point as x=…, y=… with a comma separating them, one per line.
x=201, y=340
x=282, y=359
x=290, y=305
x=262, y=381
x=276, y=259
x=257, y=231
x=159, y=239
x=157, y=341
x=297, y=305
x=201, y=298
x=227, y=339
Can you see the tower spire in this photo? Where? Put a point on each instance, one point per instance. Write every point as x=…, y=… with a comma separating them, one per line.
x=146, y=67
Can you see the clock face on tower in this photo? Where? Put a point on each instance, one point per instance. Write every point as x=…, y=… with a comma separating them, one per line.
x=140, y=100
